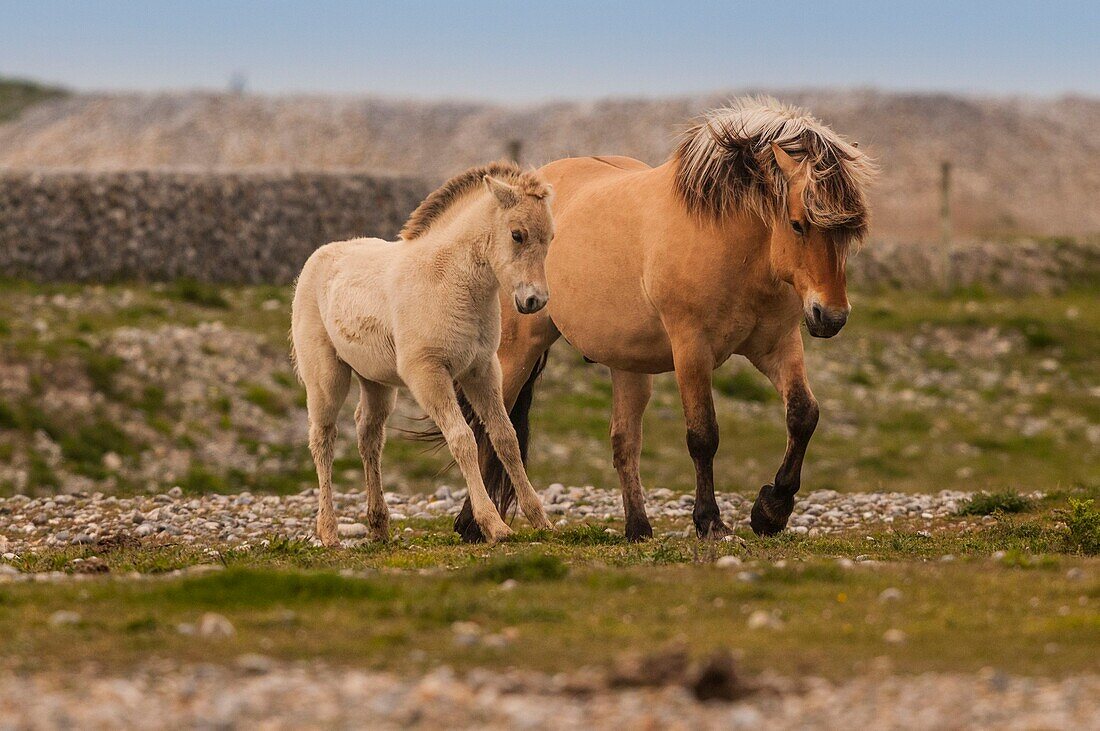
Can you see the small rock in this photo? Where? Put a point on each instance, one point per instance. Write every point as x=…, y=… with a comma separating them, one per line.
x=255, y=664
x=726, y=562
x=215, y=627
x=894, y=636
x=891, y=594
x=63, y=617
x=351, y=530
x=761, y=619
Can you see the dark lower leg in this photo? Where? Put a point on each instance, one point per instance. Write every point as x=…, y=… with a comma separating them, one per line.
x=775, y=502
x=702, y=445
x=630, y=395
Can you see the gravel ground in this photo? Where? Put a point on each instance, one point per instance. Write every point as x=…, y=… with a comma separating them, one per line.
x=261, y=693
x=29, y=523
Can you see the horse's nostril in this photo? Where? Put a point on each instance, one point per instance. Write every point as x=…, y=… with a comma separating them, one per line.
x=819, y=314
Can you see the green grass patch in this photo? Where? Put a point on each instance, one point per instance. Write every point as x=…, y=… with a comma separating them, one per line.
x=525, y=568
x=265, y=398
x=744, y=385
x=1083, y=526
x=197, y=293
x=988, y=503
x=16, y=95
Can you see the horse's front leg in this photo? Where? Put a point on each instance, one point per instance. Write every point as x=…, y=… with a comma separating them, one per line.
x=694, y=362
x=786, y=369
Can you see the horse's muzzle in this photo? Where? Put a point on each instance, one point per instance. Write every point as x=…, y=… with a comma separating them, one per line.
x=825, y=322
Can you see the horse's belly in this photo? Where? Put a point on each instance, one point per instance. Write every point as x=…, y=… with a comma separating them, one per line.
x=598, y=304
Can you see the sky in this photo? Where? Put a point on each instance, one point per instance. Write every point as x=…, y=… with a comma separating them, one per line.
x=526, y=50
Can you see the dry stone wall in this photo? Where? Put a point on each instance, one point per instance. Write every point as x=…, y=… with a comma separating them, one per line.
x=150, y=226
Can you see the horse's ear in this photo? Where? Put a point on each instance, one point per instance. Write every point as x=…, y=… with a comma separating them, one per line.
x=505, y=194
x=786, y=163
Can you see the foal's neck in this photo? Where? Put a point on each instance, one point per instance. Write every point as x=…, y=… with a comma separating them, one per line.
x=461, y=243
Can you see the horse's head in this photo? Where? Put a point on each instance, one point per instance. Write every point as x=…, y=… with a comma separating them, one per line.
x=522, y=227
x=807, y=256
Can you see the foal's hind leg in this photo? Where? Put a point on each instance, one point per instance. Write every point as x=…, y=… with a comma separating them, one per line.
x=630, y=394
x=376, y=402
x=326, y=379
x=786, y=369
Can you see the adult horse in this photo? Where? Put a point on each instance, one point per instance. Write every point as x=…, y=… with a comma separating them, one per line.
x=724, y=249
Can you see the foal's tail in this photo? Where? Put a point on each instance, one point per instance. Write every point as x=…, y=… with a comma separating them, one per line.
x=497, y=483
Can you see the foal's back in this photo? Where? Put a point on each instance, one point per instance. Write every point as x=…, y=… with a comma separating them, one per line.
x=342, y=302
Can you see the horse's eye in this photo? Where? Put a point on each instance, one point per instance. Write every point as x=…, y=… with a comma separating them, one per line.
x=517, y=236
x=798, y=227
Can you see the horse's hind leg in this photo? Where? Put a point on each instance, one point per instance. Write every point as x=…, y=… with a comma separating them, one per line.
x=376, y=402
x=630, y=394
x=433, y=389
x=326, y=379
x=786, y=369
x=482, y=387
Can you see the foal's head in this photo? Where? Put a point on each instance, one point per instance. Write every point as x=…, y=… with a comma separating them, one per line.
x=521, y=230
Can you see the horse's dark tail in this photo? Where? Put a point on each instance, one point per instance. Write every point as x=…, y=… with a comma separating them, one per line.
x=497, y=484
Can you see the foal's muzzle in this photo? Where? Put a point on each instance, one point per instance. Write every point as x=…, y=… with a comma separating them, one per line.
x=530, y=299
x=825, y=322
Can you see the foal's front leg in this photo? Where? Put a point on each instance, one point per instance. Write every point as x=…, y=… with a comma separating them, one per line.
x=786, y=369
x=433, y=389
x=694, y=362
x=482, y=387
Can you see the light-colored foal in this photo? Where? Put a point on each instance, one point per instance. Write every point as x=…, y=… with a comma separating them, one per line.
x=424, y=312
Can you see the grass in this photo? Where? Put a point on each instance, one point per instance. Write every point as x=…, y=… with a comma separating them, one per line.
x=988, y=503
x=16, y=95
x=1083, y=525
x=576, y=604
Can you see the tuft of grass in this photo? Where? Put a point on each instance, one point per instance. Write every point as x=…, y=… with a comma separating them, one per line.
x=534, y=567
x=987, y=503
x=242, y=587
x=17, y=95
x=1083, y=526
x=744, y=385
x=265, y=398
x=198, y=293
x=101, y=369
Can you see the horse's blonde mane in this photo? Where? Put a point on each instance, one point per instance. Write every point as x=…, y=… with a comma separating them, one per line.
x=528, y=181
x=724, y=163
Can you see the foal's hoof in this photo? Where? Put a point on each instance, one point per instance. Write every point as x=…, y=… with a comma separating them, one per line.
x=327, y=534
x=498, y=531
x=712, y=529
x=770, y=511
x=638, y=530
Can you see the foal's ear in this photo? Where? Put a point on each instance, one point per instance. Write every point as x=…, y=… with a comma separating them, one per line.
x=505, y=194
x=786, y=163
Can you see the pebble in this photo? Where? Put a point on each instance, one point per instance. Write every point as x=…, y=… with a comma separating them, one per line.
x=891, y=594
x=64, y=617
x=726, y=562
x=351, y=530
x=215, y=626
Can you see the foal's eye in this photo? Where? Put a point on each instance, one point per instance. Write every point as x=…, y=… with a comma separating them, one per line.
x=799, y=227
x=517, y=236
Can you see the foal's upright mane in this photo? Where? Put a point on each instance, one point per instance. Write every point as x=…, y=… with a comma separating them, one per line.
x=438, y=202
x=724, y=164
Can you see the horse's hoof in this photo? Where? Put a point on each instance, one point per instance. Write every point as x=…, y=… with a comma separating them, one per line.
x=638, y=529
x=712, y=530
x=770, y=511
x=467, y=528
